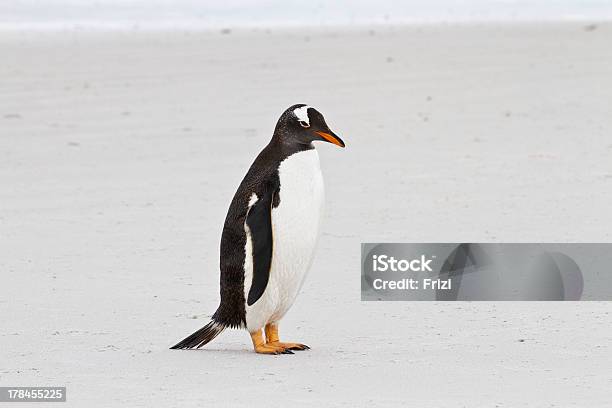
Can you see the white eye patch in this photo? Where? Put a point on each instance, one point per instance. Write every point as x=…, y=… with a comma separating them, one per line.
x=302, y=114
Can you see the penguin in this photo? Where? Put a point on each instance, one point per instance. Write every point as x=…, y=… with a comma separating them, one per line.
x=270, y=234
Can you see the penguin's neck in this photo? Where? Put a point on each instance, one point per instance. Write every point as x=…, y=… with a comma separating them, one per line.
x=285, y=149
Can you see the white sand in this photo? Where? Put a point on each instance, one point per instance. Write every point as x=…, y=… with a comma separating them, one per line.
x=119, y=154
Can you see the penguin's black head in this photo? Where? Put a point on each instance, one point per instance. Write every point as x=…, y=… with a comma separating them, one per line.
x=303, y=124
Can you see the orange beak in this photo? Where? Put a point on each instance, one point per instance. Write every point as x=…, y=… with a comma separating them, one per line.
x=331, y=138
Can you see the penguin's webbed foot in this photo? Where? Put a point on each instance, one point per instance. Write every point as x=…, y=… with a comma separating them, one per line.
x=289, y=346
x=272, y=349
x=262, y=347
x=271, y=330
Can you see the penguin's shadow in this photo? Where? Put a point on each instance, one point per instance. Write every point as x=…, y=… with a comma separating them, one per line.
x=234, y=352
x=213, y=350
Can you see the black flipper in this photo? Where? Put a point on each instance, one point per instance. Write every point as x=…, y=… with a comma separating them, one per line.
x=259, y=221
x=201, y=337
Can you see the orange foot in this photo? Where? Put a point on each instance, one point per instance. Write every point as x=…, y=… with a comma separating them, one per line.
x=262, y=347
x=289, y=346
x=272, y=339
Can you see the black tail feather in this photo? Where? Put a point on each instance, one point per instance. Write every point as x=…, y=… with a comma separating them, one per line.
x=201, y=337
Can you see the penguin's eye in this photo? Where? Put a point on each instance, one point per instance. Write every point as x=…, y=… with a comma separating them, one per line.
x=304, y=124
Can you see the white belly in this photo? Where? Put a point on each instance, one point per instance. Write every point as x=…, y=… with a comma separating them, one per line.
x=295, y=231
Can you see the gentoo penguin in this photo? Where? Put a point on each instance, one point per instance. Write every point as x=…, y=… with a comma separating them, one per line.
x=270, y=234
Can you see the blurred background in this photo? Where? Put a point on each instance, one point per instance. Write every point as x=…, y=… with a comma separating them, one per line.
x=209, y=14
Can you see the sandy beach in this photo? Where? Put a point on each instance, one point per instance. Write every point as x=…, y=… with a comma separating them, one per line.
x=120, y=152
